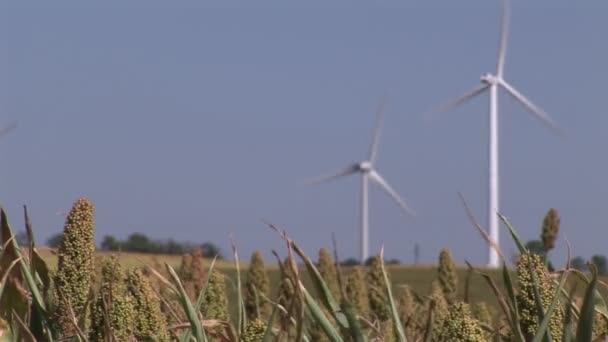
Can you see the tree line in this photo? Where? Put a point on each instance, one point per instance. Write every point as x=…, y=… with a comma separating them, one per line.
x=141, y=243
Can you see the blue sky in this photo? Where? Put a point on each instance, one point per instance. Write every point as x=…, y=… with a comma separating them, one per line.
x=193, y=120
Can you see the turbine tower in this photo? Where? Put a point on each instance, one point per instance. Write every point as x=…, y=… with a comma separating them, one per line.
x=368, y=173
x=492, y=82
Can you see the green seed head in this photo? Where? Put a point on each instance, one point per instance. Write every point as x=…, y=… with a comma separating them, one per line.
x=150, y=325
x=114, y=307
x=254, y=332
x=356, y=291
x=216, y=303
x=460, y=326
x=526, y=264
x=75, y=266
x=256, y=288
x=327, y=268
x=378, y=297
x=446, y=273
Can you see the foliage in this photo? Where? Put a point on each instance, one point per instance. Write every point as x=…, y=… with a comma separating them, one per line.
x=55, y=240
x=578, y=263
x=350, y=262
x=600, y=263
x=141, y=243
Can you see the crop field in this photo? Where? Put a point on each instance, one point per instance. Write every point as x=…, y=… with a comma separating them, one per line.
x=79, y=293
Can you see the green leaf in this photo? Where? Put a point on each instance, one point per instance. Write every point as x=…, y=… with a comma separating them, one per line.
x=192, y=314
x=391, y=301
x=520, y=245
x=322, y=288
x=584, y=331
x=319, y=317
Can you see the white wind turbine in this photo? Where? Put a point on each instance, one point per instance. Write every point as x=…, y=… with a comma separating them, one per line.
x=492, y=82
x=368, y=172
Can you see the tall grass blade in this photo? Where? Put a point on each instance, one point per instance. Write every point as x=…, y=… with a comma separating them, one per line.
x=584, y=331
x=568, y=321
x=191, y=312
x=518, y=242
x=268, y=336
x=391, y=300
x=319, y=283
x=319, y=317
x=326, y=296
x=242, y=318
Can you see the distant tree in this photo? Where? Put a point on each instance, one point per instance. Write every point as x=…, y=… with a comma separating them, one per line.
x=550, y=229
x=536, y=247
x=350, y=262
x=417, y=253
x=210, y=250
x=175, y=248
x=369, y=261
x=578, y=263
x=138, y=242
x=22, y=238
x=110, y=243
x=55, y=240
x=393, y=261
x=600, y=262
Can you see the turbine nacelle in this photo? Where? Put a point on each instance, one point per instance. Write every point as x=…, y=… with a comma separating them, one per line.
x=365, y=166
x=489, y=79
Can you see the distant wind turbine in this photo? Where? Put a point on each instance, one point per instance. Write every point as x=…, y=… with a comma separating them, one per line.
x=368, y=172
x=491, y=82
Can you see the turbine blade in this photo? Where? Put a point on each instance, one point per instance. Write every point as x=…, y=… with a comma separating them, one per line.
x=504, y=36
x=376, y=177
x=376, y=137
x=326, y=178
x=532, y=108
x=455, y=103
x=6, y=129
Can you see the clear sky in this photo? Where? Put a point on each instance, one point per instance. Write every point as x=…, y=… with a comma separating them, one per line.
x=193, y=120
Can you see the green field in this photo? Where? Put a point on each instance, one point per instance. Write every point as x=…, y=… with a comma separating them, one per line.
x=418, y=277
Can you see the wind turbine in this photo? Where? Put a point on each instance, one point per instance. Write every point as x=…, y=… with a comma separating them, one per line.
x=492, y=82
x=368, y=173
